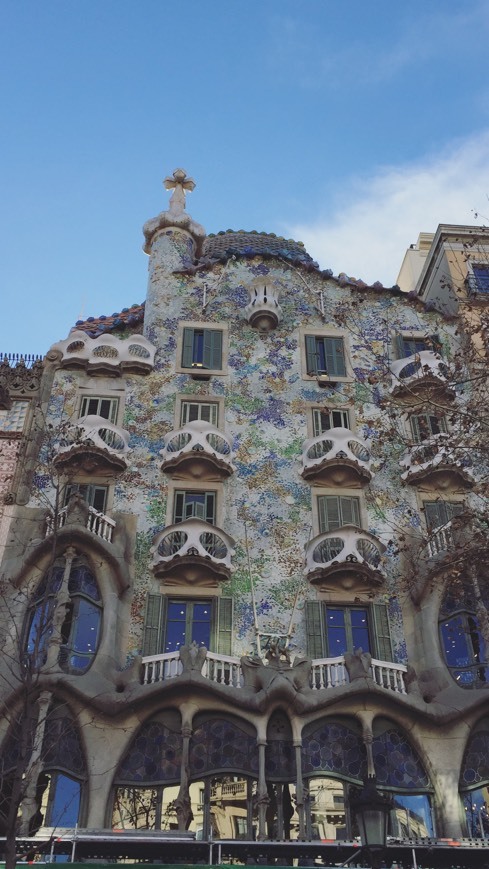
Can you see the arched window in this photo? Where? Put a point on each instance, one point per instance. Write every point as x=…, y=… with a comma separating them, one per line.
x=81, y=627
x=59, y=787
x=463, y=614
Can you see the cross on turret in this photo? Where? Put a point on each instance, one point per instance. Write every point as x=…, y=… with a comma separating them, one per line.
x=179, y=183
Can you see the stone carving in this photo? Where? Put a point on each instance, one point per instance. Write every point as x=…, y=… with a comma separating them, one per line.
x=21, y=379
x=358, y=664
x=279, y=675
x=192, y=657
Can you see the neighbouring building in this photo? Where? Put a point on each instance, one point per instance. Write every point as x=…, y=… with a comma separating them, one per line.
x=245, y=556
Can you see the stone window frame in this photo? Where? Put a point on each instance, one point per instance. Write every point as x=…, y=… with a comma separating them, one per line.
x=202, y=325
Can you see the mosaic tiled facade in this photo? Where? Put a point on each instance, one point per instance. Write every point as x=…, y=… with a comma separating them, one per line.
x=220, y=569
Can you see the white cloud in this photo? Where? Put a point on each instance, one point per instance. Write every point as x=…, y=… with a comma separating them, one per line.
x=369, y=231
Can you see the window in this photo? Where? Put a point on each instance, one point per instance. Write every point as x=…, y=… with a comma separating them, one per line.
x=337, y=510
x=171, y=623
x=202, y=348
x=347, y=629
x=61, y=802
x=194, y=505
x=463, y=643
x=323, y=420
x=479, y=279
x=325, y=355
x=188, y=622
x=94, y=405
x=207, y=411
x=13, y=419
x=408, y=345
x=425, y=425
x=81, y=628
x=95, y=496
x=439, y=513
x=333, y=630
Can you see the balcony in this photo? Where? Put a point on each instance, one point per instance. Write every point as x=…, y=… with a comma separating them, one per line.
x=106, y=354
x=337, y=457
x=438, y=462
x=198, y=451
x=93, y=445
x=263, y=311
x=98, y=523
x=423, y=370
x=326, y=673
x=348, y=558
x=193, y=553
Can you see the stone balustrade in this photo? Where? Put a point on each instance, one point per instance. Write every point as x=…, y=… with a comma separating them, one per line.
x=98, y=523
x=326, y=673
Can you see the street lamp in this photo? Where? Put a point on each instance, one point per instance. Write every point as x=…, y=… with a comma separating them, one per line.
x=371, y=810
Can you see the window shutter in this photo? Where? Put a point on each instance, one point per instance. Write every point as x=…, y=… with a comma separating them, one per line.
x=438, y=513
x=350, y=513
x=329, y=513
x=311, y=355
x=399, y=346
x=382, y=633
x=314, y=629
x=152, y=632
x=335, y=357
x=224, y=625
x=188, y=348
x=212, y=357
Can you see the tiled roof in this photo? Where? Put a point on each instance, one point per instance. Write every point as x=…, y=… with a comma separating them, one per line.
x=220, y=248
x=95, y=326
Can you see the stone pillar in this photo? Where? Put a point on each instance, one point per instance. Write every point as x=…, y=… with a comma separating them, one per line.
x=29, y=804
x=59, y=614
x=263, y=798
x=183, y=806
x=299, y=789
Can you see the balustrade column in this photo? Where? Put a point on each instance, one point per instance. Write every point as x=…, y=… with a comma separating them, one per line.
x=33, y=769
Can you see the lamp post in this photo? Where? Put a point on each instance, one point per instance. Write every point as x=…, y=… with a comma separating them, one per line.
x=371, y=810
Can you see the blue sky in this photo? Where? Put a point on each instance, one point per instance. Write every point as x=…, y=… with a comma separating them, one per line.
x=350, y=126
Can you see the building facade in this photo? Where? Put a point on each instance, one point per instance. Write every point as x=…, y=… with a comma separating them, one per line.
x=249, y=567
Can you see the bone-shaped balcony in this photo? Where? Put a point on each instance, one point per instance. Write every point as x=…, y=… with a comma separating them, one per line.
x=193, y=552
x=198, y=451
x=106, y=354
x=438, y=460
x=347, y=557
x=336, y=457
x=93, y=445
x=422, y=370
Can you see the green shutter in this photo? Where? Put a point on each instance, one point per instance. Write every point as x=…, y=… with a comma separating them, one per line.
x=311, y=355
x=350, y=511
x=188, y=348
x=399, y=346
x=152, y=634
x=212, y=357
x=224, y=625
x=335, y=357
x=382, y=633
x=329, y=513
x=314, y=629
